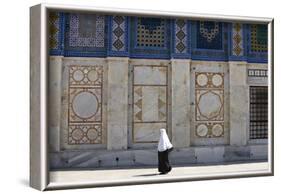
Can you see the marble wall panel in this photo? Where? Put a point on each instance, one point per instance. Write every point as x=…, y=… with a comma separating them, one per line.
x=209, y=94
x=239, y=103
x=180, y=97
x=85, y=104
x=150, y=75
x=147, y=132
x=149, y=102
x=117, y=106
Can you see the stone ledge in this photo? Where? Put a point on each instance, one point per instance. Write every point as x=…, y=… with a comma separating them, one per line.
x=148, y=157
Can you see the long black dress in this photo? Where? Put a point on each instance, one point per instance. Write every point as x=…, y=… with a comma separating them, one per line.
x=163, y=161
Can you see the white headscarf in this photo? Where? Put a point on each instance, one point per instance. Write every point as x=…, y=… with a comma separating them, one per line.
x=164, y=142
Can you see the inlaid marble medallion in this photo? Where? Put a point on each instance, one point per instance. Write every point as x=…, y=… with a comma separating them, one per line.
x=209, y=102
x=85, y=104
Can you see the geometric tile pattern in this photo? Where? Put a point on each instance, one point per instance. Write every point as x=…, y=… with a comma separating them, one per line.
x=86, y=30
x=237, y=39
x=85, y=104
x=209, y=104
x=149, y=104
x=209, y=35
x=207, y=130
x=258, y=112
x=160, y=104
x=206, y=80
x=181, y=36
x=258, y=35
x=257, y=73
x=118, y=33
x=150, y=32
x=85, y=134
x=85, y=76
x=53, y=23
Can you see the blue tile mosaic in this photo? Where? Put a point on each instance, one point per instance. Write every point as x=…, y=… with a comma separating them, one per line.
x=56, y=33
x=181, y=39
x=86, y=35
x=256, y=43
x=209, y=35
x=258, y=38
x=118, y=33
x=91, y=35
x=237, y=42
x=150, y=38
x=150, y=32
x=118, y=36
x=218, y=40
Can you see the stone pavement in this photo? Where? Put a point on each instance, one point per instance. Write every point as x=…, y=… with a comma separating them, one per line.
x=150, y=174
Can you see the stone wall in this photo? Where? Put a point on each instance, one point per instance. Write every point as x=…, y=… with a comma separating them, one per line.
x=111, y=109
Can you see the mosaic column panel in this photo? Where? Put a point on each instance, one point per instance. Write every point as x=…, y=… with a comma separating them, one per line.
x=85, y=104
x=118, y=35
x=149, y=102
x=54, y=30
x=56, y=33
x=209, y=104
x=237, y=40
x=118, y=44
x=181, y=36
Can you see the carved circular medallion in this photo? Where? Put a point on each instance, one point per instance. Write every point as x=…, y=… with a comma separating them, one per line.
x=217, y=130
x=77, y=134
x=85, y=105
x=209, y=105
x=78, y=75
x=217, y=80
x=92, y=134
x=93, y=75
x=202, y=79
x=202, y=130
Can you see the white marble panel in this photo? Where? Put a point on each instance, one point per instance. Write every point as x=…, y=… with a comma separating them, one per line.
x=239, y=103
x=150, y=104
x=152, y=75
x=54, y=90
x=117, y=103
x=180, y=103
x=147, y=132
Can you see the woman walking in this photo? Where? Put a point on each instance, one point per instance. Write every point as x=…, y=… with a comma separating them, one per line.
x=164, y=148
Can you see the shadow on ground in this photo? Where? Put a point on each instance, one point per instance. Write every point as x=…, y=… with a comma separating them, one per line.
x=144, y=175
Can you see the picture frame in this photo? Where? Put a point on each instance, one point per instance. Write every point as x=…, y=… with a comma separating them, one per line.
x=47, y=171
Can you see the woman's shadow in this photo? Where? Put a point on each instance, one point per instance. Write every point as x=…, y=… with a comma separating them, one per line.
x=144, y=175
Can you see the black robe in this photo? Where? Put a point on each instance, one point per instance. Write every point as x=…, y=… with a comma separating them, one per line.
x=163, y=161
